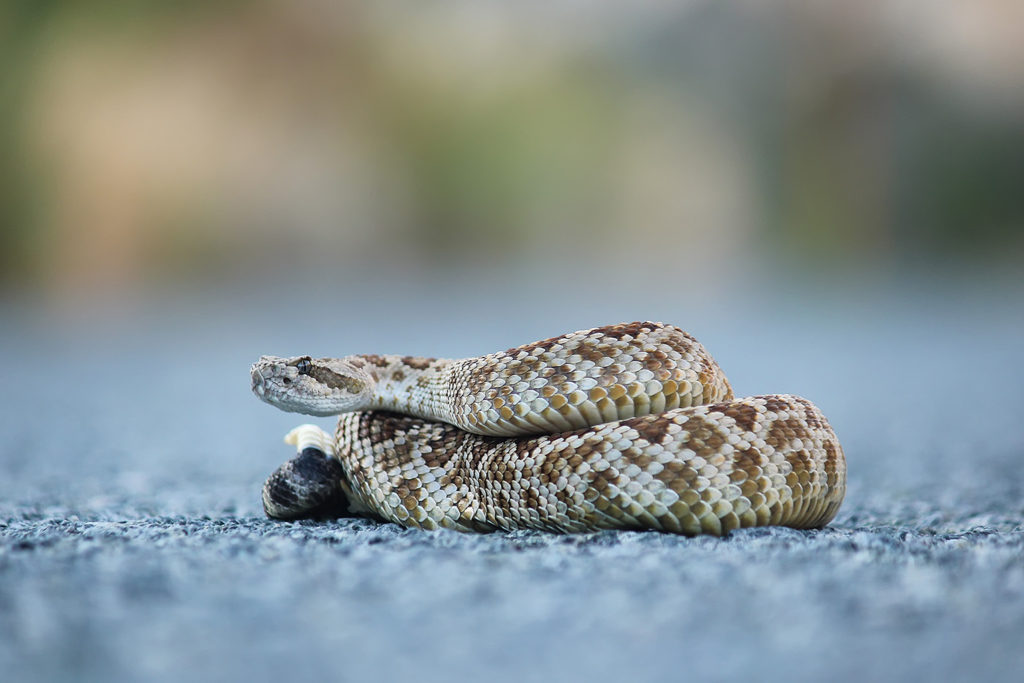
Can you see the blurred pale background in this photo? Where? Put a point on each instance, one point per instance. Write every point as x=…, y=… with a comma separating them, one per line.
x=149, y=145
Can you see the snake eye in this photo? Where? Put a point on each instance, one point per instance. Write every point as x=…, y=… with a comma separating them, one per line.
x=304, y=365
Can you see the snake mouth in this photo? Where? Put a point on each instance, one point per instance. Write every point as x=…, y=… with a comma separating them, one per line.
x=264, y=383
x=258, y=382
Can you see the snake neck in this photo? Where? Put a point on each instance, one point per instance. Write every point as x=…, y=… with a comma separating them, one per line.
x=411, y=385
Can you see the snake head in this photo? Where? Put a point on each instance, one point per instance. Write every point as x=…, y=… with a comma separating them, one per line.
x=312, y=386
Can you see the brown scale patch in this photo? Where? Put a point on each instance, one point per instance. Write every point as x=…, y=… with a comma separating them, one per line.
x=777, y=405
x=748, y=463
x=417, y=363
x=375, y=360
x=677, y=475
x=336, y=380
x=526, y=367
x=623, y=330
x=638, y=458
x=812, y=416
x=592, y=351
x=398, y=375
x=474, y=382
x=745, y=415
x=385, y=429
x=457, y=471
x=680, y=342
x=814, y=420
x=831, y=457
x=706, y=377
x=600, y=481
x=728, y=395
x=576, y=459
x=702, y=435
x=363, y=432
x=530, y=497
x=831, y=464
x=442, y=448
x=784, y=431
x=562, y=466
x=389, y=426
x=800, y=461
x=653, y=428
x=538, y=346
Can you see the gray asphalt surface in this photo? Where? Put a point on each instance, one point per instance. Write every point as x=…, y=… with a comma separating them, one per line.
x=133, y=546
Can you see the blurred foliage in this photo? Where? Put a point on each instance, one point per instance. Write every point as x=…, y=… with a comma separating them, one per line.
x=484, y=174
x=960, y=184
x=905, y=171
x=26, y=28
x=21, y=22
x=150, y=137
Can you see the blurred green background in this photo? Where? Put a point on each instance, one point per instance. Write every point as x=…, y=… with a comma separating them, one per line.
x=149, y=143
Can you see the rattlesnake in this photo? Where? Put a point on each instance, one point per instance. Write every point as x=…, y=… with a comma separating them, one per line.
x=626, y=426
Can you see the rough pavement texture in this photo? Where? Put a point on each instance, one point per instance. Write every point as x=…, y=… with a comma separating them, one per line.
x=133, y=547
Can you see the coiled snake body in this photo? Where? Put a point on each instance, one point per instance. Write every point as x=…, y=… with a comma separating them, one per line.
x=627, y=426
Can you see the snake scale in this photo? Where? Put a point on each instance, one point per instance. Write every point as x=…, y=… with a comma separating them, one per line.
x=630, y=426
